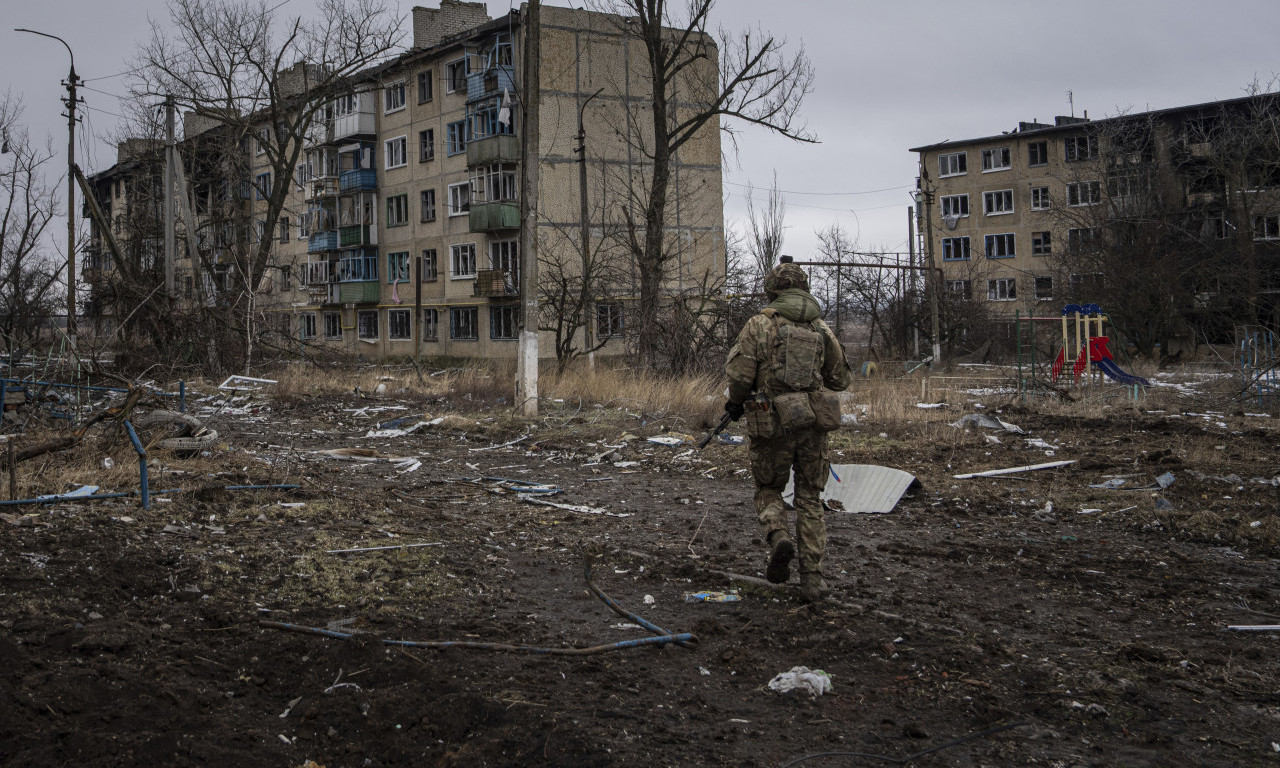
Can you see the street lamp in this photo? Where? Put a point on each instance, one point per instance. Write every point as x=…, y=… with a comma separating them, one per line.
x=70, y=101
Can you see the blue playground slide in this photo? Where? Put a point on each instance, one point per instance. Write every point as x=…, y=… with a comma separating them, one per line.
x=1115, y=373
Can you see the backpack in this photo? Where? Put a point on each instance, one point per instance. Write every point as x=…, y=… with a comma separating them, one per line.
x=793, y=382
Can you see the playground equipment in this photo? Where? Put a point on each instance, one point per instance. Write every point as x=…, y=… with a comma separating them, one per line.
x=1090, y=347
x=1259, y=361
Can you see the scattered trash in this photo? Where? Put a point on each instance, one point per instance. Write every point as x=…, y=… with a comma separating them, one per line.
x=813, y=682
x=1165, y=480
x=530, y=499
x=81, y=492
x=1014, y=470
x=1162, y=503
x=930, y=406
x=379, y=549
x=244, y=382
x=711, y=597
x=1256, y=524
x=648, y=600
x=671, y=440
x=861, y=488
x=108, y=462
x=986, y=422
x=704, y=671
x=1035, y=442
x=1254, y=627
x=508, y=485
x=733, y=439
x=397, y=432
x=1110, y=485
x=849, y=420
x=1088, y=511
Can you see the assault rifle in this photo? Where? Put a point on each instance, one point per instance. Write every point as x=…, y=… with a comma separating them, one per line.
x=724, y=422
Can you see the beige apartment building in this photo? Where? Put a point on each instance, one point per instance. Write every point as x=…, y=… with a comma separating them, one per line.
x=1168, y=219
x=401, y=235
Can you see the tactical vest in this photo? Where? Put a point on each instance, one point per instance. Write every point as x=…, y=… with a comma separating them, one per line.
x=795, y=356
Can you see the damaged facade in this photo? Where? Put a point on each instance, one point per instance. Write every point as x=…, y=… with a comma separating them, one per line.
x=400, y=232
x=1168, y=219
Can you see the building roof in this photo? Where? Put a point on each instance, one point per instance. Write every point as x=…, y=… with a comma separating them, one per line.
x=1069, y=124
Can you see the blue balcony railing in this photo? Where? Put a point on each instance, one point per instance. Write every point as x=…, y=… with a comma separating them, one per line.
x=356, y=181
x=322, y=241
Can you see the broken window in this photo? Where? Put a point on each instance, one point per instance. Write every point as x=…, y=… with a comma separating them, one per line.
x=1038, y=153
x=367, y=324
x=1084, y=193
x=1002, y=289
x=997, y=202
x=1077, y=148
x=955, y=205
x=399, y=324
x=1039, y=198
x=455, y=75
x=1000, y=246
x=953, y=164
x=504, y=322
x=462, y=260
x=998, y=159
x=955, y=249
x=333, y=325
x=1044, y=288
x=463, y=323
x=307, y=325
x=1041, y=244
x=608, y=319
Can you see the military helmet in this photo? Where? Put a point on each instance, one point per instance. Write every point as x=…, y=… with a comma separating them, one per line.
x=785, y=275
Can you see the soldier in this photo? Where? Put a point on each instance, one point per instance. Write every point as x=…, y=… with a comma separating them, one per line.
x=784, y=372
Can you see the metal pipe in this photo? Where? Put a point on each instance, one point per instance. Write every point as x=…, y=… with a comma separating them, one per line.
x=142, y=464
x=623, y=612
x=97, y=496
x=621, y=645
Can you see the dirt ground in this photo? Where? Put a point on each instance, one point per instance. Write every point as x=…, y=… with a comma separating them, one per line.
x=1091, y=620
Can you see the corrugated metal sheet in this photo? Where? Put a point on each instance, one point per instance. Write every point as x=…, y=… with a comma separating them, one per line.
x=864, y=488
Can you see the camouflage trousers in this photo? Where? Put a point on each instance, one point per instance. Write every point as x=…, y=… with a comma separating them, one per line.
x=772, y=460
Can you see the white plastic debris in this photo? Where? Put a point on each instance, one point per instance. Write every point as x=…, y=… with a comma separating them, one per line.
x=814, y=682
x=648, y=600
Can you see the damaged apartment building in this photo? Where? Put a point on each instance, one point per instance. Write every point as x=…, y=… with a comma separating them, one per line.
x=1167, y=219
x=400, y=234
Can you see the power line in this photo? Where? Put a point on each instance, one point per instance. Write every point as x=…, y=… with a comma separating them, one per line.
x=821, y=207
x=823, y=194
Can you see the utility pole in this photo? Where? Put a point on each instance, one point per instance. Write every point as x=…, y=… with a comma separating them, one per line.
x=931, y=280
x=585, y=298
x=170, y=239
x=911, y=249
x=527, y=355
x=71, y=101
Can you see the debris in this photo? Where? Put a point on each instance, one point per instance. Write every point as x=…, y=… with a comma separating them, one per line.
x=1165, y=480
x=507, y=485
x=733, y=439
x=704, y=671
x=849, y=420
x=862, y=488
x=504, y=445
x=397, y=432
x=711, y=597
x=669, y=440
x=81, y=492
x=648, y=600
x=813, y=682
x=1110, y=485
x=570, y=507
x=377, y=549
x=987, y=422
x=930, y=406
x=1014, y=470
x=1162, y=503
x=244, y=382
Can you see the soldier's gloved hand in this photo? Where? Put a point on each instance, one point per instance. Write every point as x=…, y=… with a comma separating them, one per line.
x=735, y=410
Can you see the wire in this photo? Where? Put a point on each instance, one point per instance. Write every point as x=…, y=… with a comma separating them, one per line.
x=825, y=194
x=820, y=207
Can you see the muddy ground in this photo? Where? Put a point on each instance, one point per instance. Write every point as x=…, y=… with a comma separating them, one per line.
x=1096, y=627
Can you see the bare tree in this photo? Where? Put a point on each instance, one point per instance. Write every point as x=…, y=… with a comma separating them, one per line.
x=756, y=82
x=766, y=230
x=27, y=204
x=261, y=80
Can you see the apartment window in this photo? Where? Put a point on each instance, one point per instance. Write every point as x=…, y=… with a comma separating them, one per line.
x=494, y=183
x=455, y=75
x=455, y=138
x=424, y=87
x=1000, y=246
x=367, y=324
x=397, y=210
x=1216, y=227
x=283, y=224
x=429, y=266
x=428, y=201
x=1079, y=148
x=262, y=186
x=1038, y=153
x=1084, y=193
x=961, y=288
x=307, y=325
x=954, y=164
x=1041, y=244
x=1044, y=288
x=955, y=205
x=1086, y=284
x=1084, y=239
x=1040, y=198
x=1002, y=289
x=397, y=151
x=998, y=159
x=462, y=260
x=304, y=225
x=1126, y=184
x=608, y=319
x=997, y=202
x=332, y=325
x=504, y=322
x=463, y=322
x=955, y=249
x=459, y=198
x=398, y=267
x=1266, y=227
x=430, y=324
x=399, y=324
x=264, y=138
x=393, y=98
x=426, y=145
x=505, y=255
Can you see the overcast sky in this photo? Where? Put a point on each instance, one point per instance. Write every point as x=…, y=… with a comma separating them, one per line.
x=890, y=76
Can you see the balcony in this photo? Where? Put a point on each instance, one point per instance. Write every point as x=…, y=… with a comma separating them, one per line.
x=494, y=283
x=499, y=148
x=359, y=293
x=326, y=187
x=491, y=217
x=316, y=272
x=365, y=179
x=354, y=124
x=490, y=82
x=92, y=275
x=322, y=241
x=357, y=235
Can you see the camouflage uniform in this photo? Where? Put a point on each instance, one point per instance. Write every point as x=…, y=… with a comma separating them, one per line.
x=749, y=369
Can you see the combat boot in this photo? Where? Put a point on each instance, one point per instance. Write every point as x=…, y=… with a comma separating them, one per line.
x=812, y=587
x=781, y=552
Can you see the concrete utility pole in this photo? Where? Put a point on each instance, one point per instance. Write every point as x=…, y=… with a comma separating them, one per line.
x=585, y=299
x=71, y=101
x=170, y=239
x=911, y=249
x=931, y=280
x=527, y=355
